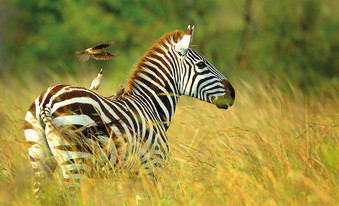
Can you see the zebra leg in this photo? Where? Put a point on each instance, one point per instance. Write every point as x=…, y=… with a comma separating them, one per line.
x=152, y=159
x=42, y=160
x=151, y=164
x=71, y=156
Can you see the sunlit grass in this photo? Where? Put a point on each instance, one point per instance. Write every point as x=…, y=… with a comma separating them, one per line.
x=270, y=148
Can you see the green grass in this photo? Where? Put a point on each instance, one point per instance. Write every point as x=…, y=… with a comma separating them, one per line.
x=275, y=146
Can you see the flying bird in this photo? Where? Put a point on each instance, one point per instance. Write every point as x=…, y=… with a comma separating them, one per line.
x=97, y=52
x=96, y=82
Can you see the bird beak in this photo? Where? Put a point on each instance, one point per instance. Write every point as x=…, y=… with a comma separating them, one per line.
x=101, y=71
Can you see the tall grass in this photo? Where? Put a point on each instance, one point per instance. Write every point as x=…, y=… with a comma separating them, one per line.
x=275, y=146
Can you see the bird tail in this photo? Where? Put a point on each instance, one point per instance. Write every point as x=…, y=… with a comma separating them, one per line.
x=83, y=55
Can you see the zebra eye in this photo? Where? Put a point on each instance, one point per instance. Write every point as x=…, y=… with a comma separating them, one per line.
x=201, y=64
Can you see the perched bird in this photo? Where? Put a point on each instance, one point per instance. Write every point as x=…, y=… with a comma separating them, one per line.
x=120, y=91
x=97, y=52
x=96, y=82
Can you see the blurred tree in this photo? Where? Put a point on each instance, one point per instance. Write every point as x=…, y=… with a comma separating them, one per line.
x=294, y=38
x=245, y=35
x=45, y=34
x=281, y=37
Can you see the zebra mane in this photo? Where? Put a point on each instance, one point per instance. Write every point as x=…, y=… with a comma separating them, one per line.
x=163, y=42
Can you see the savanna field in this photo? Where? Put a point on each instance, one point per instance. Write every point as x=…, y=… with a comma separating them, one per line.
x=274, y=146
x=277, y=145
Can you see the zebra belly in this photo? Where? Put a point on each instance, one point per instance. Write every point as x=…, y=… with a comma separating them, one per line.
x=102, y=147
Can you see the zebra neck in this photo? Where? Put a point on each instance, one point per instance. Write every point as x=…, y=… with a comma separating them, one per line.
x=156, y=79
x=160, y=98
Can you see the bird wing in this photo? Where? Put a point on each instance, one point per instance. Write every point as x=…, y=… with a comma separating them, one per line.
x=95, y=84
x=103, y=45
x=83, y=55
x=91, y=87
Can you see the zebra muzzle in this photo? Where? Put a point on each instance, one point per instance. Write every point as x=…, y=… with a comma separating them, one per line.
x=227, y=100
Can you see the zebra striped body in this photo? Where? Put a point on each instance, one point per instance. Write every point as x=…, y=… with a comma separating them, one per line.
x=80, y=130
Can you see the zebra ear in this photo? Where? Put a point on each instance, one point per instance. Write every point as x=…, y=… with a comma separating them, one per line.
x=182, y=46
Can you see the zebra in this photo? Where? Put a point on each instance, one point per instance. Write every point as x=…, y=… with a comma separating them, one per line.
x=80, y=131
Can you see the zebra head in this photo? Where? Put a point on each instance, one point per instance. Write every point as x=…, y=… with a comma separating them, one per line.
x=199, y=78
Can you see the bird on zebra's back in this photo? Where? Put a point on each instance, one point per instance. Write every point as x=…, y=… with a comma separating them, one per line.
x=97, y=81
x=120, y=91
x=97, y=52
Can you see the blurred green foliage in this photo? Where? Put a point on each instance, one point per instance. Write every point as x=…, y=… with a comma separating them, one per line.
x=297, y=39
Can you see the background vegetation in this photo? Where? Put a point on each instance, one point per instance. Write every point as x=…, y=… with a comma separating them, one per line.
x=278, y=144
